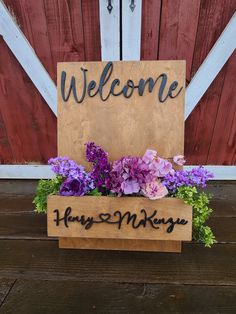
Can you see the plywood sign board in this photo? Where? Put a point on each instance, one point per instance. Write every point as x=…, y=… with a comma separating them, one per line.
x=125, y=107
x=119, y=218
x=118, y=244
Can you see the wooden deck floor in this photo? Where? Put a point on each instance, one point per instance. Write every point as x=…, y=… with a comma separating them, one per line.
x=37, y=277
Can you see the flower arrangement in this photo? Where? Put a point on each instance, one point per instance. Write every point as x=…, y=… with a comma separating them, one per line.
x=148, y=176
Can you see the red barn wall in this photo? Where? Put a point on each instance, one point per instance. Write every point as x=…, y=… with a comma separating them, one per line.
x=58, y=31
x=187, y=29
x=68, y=30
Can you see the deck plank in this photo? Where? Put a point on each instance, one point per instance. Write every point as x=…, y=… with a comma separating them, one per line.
x=5, y=286
x=29, y=225
x=44, y=260
x=18, y=220
x=77, y=297
x=17, y=195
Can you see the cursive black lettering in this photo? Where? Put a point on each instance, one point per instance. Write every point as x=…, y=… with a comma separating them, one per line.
x=129, y=85
x=130, y=219
x=115, y=82
x=173, y=87
x=151, y=84
x=149, y=218
x=91, y=86
x=106, y=74
x=64, y=218
x=127, y=90
x=136, y=220
x=72, y=87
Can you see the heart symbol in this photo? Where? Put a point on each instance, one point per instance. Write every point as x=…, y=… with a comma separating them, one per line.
x=104, y=217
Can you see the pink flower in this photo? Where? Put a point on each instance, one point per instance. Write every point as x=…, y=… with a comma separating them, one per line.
x=179, y=160
x=156, y=165
x=127, y=175
x=149, y=155
x=163, y=167
x=154, y=190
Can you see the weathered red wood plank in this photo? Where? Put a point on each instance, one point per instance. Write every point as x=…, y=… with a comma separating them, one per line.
x=68, y=30
x=179, y=20
x=223, y=149
x=55, y=29
x=199, y=127
x=151, y=14
x=5, y=148
x=65, y=31
x=30, y=16
x=91, y=25
x=30, y=124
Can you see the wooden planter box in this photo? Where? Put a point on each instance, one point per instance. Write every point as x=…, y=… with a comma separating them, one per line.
x=119, y=223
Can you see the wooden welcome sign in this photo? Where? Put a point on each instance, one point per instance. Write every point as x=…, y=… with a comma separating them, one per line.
x=126, y=108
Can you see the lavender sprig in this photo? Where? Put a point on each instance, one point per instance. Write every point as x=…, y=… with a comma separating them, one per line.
x=101, y=165
x=65, y=167
x=195, y=177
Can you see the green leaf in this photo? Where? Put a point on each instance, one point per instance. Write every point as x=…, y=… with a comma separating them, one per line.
x=45, y=188
x=95, y=192
x=201, y=212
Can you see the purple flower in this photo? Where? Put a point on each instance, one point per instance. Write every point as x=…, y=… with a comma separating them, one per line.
x=77, y=186
x=130, y=186
x=101, y=165
x=128, y=175
x=77, y=180
x=195, y=177
x=65, y=167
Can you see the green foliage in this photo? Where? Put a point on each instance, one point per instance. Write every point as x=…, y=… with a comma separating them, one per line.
x=45, y=188
x=95, y=192
x=201, y=212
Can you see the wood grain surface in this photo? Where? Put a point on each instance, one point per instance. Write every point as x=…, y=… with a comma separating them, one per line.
x=208, y=138
x=57, y=31
x=122, y=126
x=120, y=245
x=177, y=35
x=58, y=297
x=151, y=15
x=118, y=123
x=44, y=260
x=29, y=225
x=5, y=287
x=88, y=206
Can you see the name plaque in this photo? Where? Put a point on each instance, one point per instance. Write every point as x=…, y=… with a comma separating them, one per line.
x=119, y=218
